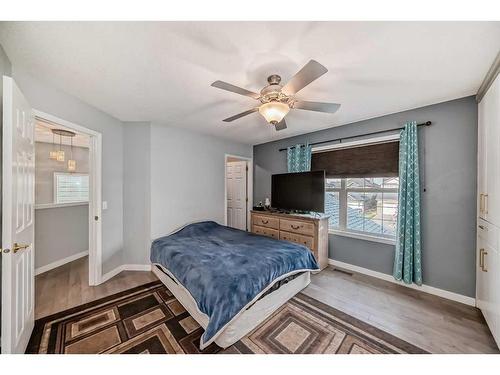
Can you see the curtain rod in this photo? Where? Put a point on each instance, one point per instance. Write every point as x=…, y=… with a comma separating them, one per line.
x=427, y=123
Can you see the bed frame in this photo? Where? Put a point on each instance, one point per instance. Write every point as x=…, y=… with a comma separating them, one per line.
x=246, y=320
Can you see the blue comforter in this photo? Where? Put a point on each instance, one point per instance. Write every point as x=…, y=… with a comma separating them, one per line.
x=224, y=269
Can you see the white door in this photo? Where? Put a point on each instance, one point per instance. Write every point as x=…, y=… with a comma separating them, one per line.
x=236, y=190
x=18, y=273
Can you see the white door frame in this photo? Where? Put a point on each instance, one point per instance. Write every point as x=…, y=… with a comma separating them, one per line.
x=249, y=186
x=95, y=193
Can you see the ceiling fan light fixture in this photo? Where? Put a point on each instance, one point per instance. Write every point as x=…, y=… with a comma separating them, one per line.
x=274, y=112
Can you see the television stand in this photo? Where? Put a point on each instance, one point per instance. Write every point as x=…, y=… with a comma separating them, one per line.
x=310, y=230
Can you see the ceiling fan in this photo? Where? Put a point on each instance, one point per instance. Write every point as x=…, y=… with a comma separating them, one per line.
x=277, y=100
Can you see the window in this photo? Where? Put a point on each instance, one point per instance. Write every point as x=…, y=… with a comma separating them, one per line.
x=71, y=187
x=363, y=205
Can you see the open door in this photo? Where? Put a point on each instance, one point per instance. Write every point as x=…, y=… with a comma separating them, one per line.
x=18, y=189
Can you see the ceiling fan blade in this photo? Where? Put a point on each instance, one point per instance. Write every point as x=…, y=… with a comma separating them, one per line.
x=316, y=106
x=238, y=90
x=239, y=115
x=311, y=71
x=280, y=125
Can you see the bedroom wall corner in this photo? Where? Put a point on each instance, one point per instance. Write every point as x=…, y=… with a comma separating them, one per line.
x=187, y=177
x=136, y=192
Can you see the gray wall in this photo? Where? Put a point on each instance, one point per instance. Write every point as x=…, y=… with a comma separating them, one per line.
x=136, y=192
x=63, y=231
x=55, y=102
x=60, y=232
x=45, y=168
x=187, y=177
x=5, y=69
x=448, y=151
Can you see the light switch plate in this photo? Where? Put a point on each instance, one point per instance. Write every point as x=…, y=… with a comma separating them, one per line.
x=104, y=205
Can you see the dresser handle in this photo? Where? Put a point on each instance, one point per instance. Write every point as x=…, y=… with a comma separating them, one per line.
x=265, y=221
x=295, y=227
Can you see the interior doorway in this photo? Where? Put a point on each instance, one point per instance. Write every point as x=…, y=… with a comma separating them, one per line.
x=238, y=191
x=67, y=196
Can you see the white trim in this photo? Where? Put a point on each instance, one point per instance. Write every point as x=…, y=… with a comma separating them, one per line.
x=362, y=236
x=137, y=267
x=249, y=161
x=60, y=262
x=43, y=206
x=125, y=267
x=95, y=193
x=424, y=288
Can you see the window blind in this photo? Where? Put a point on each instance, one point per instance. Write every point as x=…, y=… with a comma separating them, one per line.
x=71, y=188
x=375, y=160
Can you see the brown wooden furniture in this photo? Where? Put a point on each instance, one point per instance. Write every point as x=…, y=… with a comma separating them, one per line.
x=303, y=229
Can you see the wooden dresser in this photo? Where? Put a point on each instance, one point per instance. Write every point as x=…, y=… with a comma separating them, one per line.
x=303, y=229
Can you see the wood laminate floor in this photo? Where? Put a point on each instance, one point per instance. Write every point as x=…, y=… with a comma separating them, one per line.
x=430, y=322
x=68, y=286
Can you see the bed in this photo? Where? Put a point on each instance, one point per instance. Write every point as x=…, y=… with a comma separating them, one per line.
x=227, y=279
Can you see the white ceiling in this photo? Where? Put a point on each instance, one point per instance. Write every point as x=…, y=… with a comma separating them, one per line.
x=162, y=71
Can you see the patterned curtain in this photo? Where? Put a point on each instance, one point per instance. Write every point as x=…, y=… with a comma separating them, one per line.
x=298, y=158
x=407, y=260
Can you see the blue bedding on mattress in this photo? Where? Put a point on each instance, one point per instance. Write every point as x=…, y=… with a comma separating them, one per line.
x=224, y=269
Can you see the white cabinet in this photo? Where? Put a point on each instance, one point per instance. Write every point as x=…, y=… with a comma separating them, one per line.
x=488, y=231
x=487, y=280
x=489, y=155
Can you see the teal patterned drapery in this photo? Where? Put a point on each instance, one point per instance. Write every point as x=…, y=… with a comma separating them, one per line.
x=298, y=158
x=407, y=260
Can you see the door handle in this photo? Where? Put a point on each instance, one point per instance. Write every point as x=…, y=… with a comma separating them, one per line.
x=481, y=258
x=17, y=247
x=484, y=268
x=485, y=203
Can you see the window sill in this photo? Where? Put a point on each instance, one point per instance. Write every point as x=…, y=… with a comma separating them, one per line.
x=361, y=236
x=59, y=205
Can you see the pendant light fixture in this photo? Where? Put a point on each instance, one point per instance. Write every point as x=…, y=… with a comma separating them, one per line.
x=60, y=153
x=63, y=133
x=53, y=152
x=71, y=161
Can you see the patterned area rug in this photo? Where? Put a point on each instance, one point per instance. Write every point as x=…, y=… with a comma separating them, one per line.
x=148, y=319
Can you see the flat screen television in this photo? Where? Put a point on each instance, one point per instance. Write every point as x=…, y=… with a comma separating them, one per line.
x=303, y=191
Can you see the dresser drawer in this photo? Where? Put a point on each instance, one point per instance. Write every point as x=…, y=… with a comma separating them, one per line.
x=297, y=238
x=265, y=221
x=295, y=226
x=263, y=231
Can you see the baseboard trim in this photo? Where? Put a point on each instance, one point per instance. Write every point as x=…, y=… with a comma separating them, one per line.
x=60, y=262
x=125, y=267
x=424, y=288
